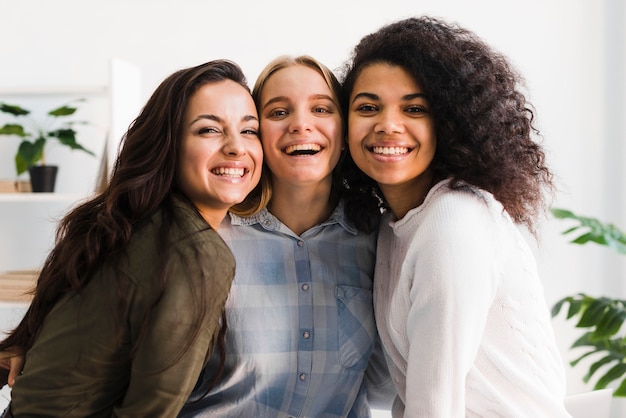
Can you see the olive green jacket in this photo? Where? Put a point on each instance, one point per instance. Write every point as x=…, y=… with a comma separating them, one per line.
x=78, y=368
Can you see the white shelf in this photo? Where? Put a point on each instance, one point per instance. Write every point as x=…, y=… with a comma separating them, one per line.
x=28, y=221
x=40, y=197
x=52, y=90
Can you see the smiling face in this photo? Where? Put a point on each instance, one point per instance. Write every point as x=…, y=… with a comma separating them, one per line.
x=391, y=132
x=300, y=126
x=221, y=156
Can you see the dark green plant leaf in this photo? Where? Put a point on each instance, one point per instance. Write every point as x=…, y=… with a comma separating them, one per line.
x=30, y=153
x=68, y=137
x=584, y=341
x=20, y=164
x=614, y=373
x=582, y=357
x=592, y=315
x=597, y=365
x=602, y=317
x=575, y=306
x=621, y=389
x=611, y=321
x=13, y=109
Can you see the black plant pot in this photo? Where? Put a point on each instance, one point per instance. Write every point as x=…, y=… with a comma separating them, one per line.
x=43, y=178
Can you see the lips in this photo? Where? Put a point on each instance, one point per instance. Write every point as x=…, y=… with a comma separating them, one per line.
x=229, y=171
x=302, y=149
x=390, y=150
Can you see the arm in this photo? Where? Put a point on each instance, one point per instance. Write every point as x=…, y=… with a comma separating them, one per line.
x=164, y=370
x=452, y=287
x=380, y=388
x=11, y=365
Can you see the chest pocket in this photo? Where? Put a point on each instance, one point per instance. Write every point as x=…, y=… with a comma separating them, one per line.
x=356, y=326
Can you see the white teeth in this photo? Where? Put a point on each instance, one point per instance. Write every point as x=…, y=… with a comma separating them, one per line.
x=302, y=147
x=390, y=150
x=230, y=172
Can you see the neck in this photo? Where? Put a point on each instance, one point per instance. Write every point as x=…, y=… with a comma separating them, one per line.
x=401, y=198
x=213, y=217
x=302, y=207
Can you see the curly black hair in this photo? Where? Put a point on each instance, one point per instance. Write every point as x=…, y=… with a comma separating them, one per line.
x=483, y=122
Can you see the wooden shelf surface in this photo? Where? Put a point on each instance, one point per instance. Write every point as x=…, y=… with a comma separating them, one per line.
x=15, y=286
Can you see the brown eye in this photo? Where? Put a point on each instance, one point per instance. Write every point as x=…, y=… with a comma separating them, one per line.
x=204, y=131
x=366, y=108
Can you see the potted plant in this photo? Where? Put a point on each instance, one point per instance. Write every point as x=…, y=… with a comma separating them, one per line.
x=601, y=317
x=30, y=155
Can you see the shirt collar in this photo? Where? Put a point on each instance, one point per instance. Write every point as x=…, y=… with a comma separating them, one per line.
x=271, y=223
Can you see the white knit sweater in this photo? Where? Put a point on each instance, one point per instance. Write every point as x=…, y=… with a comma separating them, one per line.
x=461, y=313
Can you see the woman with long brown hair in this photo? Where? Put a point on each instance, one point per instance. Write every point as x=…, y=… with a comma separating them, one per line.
x=128, y=305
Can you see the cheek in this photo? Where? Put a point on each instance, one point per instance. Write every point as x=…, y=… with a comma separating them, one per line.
x=270, y=132
x=355, y=127
x=255, y=150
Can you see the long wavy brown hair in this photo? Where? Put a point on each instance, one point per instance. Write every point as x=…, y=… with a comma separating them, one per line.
x=484, y=124
x=142, y=181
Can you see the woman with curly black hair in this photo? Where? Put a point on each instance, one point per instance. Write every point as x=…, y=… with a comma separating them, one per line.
x=443, y=135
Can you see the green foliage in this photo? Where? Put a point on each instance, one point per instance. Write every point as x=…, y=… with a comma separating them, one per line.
x=592, y=230
x=31, y=149
x=602, y=317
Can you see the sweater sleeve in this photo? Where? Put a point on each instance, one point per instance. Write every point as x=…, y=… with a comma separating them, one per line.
x=453, y=281
x=166, y=365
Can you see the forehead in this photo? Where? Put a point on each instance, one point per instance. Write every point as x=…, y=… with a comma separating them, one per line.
x=384, y=77
x=221, y=96
x=295, y=81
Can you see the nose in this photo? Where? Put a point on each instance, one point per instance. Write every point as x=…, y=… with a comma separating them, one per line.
x=300, y=122
x=234, y=145
x=389, y=122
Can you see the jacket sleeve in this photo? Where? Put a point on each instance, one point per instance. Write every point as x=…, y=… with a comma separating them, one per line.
x=166, y=365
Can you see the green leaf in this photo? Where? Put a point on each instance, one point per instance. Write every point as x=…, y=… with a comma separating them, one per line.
x=556, y=308
x=614, y=373
x=62, y=111
x=562, y=213
x=20, y=164
x=30, y=153
x=13, y=129
x=13, y=109
x=597, y=365
x=575, y=307
x=610, y=323
x=593, y=313
x=621, y=390
x=582, y=357
x=592, y=230
x=68, y=137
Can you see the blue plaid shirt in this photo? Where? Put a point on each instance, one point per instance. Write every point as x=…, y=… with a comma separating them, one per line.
x=300, y=323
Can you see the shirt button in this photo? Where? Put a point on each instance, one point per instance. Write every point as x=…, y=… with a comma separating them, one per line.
x=302, y=376
x=300, y=243
x=306, y=335
x=305, y=287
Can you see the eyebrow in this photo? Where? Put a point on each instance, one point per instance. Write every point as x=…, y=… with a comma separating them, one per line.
x=216, y=118
x=406, y=97
x=286, y=99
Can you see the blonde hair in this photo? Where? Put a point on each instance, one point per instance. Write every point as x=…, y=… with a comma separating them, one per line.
x=261, y=195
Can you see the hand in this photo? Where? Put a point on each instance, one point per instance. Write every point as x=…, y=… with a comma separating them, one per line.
x=11, y=365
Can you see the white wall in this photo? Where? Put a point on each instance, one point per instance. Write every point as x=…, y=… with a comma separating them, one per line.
x=572, y=53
